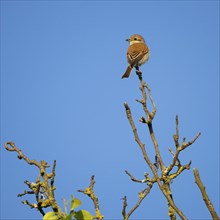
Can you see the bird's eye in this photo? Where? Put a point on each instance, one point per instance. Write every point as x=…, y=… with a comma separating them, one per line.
x=135, y=38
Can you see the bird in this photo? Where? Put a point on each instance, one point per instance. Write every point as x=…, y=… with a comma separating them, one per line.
x=137, y=54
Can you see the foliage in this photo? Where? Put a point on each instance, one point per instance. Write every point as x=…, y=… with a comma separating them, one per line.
x=73, y=214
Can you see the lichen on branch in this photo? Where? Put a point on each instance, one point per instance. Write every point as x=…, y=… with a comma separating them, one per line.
x=43, y=188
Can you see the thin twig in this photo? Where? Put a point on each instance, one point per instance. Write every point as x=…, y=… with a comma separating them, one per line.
x=53, y=174
x=150, y=116
x=10, y=146
x=179, y=147
x=89, y=191
x=142, y=196
x=124, y=207
x=134, y=179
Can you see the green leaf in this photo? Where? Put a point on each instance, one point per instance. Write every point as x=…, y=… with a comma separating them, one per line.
x=50, y=216
x=83, y=215
x=69, y=217
x=75, y=203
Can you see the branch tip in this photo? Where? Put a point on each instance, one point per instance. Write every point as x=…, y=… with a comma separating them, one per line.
x=206, y=199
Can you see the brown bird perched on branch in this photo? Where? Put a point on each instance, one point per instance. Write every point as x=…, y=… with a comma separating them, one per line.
x=137, y=54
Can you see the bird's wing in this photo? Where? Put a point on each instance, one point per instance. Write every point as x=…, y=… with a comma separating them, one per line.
x=136, y=52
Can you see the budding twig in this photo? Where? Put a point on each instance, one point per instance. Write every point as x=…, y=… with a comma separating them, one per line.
x=89, y=191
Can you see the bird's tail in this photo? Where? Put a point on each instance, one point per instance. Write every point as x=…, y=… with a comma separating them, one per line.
x=127, y=72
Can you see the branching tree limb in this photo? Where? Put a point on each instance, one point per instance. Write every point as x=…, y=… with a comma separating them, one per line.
x=43, y=190
x=164, y=178
x=141, y=194
x=164, y=188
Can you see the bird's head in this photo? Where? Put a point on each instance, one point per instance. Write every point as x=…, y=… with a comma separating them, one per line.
x=136, y=38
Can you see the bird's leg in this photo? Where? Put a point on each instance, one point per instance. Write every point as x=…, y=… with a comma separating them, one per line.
x=138, y=72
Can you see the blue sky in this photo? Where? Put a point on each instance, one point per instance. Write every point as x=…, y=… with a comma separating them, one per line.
x=62, y=98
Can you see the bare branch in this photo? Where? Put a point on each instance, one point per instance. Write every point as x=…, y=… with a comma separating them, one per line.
x=163, y=187
x=149, y=115
x=136, y=180
x=137, y=139
x=124, y=207
x=25, y=202
x=176, y=136
x=152, y=102
x=179, y=147
x=53, y=174
x=25, y=193
x=205, y=197
x=142, y=196
x=185, y=145
x=10, y=146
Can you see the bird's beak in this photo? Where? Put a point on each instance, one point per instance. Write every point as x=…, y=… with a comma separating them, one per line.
x=128, y=40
